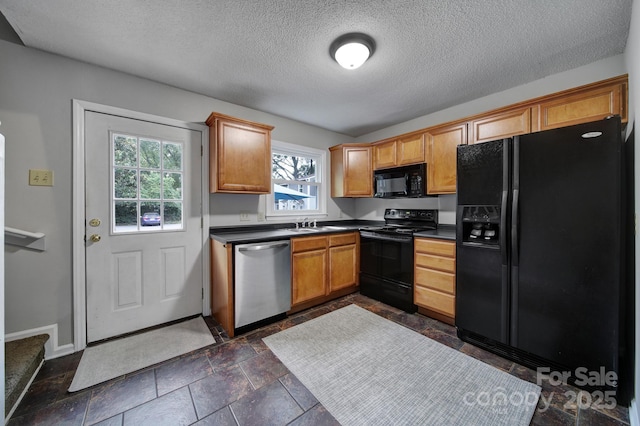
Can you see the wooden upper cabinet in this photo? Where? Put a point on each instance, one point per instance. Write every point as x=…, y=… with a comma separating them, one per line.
x=384, y=155
x=589, y=103
x=441, y=164
x=240, y=155
x=411, y=150
x=351, y=170
x=503, y=125
x=399, y=152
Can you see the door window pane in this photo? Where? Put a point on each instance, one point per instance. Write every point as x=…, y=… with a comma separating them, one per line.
x=125, y=183
x=146, y=172
x=172, y=214
x=149, y=185
x=172, y=186
x=172, y=156
x=126, y=215
x=149, y=154
x=150, y=217
x=125, y=151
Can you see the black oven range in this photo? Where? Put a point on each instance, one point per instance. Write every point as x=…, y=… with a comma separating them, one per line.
x=386, y=256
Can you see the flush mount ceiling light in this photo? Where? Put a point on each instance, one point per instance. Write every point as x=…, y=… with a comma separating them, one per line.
x=352, y=50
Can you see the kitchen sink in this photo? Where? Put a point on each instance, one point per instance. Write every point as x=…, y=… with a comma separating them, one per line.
x=333, y=228
x=303, y=230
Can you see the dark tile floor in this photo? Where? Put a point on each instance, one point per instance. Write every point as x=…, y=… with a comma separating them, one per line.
x=239, y=381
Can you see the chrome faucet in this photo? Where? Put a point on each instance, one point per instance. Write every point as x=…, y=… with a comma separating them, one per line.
x=306, y=219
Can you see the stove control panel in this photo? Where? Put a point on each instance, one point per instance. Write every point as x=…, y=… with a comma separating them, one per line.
x=412, y=214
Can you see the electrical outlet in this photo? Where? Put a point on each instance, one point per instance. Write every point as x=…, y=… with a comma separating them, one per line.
x=244, y=216
x=40, y=177
x=261, y=217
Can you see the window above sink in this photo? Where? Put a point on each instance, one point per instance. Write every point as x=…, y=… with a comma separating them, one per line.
x=298, y=181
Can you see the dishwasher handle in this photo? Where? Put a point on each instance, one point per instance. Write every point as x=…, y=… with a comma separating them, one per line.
x=259, y=247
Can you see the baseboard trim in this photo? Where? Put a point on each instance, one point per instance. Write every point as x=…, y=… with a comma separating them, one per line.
x=51, y=347
x=633, y=413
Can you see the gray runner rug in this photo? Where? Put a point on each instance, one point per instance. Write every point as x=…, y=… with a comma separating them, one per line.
x=366, y=370
x=113, y=359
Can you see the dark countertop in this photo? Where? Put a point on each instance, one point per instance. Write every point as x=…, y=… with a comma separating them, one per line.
x=444, y=232
x=261, y=233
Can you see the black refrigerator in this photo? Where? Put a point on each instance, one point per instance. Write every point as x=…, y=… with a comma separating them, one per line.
x=539, y=261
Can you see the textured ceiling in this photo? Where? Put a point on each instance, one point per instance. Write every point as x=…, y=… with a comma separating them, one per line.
x=273, y=55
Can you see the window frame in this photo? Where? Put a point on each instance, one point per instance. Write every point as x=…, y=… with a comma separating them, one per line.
x=320, y=157
x=163, y=228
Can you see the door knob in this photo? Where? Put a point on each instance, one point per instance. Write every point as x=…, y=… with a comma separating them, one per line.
x=94, y=222
x=95, y=238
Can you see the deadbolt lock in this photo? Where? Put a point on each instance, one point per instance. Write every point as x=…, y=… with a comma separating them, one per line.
x=94, y=222
x=95, y=238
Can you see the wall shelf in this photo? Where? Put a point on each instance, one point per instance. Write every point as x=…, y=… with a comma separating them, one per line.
x=22, y=238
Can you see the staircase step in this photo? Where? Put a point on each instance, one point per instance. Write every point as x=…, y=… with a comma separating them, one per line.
x=23, y=357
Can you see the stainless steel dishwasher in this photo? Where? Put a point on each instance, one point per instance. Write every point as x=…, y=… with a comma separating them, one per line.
x=262, y=281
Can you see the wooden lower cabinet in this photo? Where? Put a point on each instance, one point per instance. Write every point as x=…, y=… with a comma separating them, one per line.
x=434, y=278
x=308, y=269
x=344, y=261
x=222, y=285
x=322, y=268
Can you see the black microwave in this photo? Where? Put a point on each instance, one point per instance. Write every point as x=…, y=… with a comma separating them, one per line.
x=408, y=181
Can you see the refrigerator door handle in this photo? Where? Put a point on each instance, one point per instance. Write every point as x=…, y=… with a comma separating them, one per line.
x=515, y=244
x=514, y=228
x=504, y=249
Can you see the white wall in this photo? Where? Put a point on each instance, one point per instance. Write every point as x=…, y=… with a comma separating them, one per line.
x=36, y=92
x=632, y=59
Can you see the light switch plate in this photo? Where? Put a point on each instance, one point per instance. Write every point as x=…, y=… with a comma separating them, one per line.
x=40, y=177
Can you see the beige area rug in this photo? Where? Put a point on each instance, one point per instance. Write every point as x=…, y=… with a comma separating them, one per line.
x=113, y=359
x=366, y=370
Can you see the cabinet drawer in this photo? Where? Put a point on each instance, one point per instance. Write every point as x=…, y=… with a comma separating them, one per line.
x=437, y=280
x=440, y=263
x=342, y=239
x=308, y=243
x=441, y=248
x=435, y=300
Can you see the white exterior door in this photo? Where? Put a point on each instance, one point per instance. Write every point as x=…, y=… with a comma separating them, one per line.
x=143, y=219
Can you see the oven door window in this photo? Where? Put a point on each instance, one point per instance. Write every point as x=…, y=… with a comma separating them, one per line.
x=389, y=260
